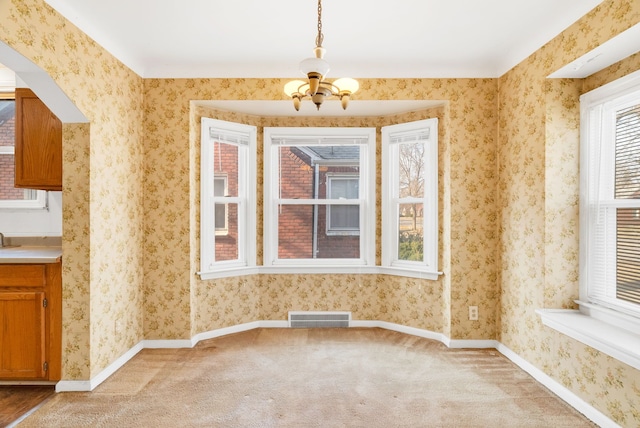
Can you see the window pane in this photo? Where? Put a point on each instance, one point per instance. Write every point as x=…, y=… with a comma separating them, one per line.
x=225, y=163
x=227, y=243
x=295, y=231
x=305, y=170
x=411, y=232
x=344, y=217
x=411, y=170
x=302, y=233
x=344, y=188
x=627, y=184
x=628, y=254
x=219, y=186
x=221, y=216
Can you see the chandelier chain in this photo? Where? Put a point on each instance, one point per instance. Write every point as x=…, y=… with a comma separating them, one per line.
x=320, y=37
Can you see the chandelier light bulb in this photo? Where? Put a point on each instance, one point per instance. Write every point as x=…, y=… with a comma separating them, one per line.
x=293, y=87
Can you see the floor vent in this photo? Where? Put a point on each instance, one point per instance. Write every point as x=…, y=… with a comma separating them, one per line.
x=319, y=319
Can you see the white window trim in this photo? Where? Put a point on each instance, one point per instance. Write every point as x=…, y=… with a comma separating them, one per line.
x=40, y=202
x=390, y=200
x=313, y=135
x=609, y=330
x=246, y=215
x=354, y=231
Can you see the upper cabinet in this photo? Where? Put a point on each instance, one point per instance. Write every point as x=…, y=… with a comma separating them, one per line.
x=38, y=152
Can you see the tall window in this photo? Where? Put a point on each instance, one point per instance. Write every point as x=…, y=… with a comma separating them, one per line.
x=410, y=195
x=227, y=199
x=610, y=196
x=10, y=196
x=319, y=196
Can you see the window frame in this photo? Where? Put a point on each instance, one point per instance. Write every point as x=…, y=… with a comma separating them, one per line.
x=246, y=199
x=391, y=199
x=273, y=139
x=597, y=133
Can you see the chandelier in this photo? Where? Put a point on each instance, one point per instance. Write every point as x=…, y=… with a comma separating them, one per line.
x=316, y=69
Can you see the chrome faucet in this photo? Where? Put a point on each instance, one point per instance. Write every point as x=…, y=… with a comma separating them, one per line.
x=1, y=240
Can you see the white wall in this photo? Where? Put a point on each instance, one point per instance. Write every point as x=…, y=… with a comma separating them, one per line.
x=34, y=222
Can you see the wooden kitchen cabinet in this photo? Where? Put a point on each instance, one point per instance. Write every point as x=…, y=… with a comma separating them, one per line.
x=30, y=321
x=38, y=146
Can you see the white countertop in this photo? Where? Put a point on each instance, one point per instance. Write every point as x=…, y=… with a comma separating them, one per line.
x=30, y=254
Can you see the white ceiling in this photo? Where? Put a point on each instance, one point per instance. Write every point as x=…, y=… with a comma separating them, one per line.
x=363, y=38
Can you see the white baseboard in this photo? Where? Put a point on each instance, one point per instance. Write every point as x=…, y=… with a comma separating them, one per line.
x=427, y=334
x=475, y=344
x=89, y=385
x=238, y=329
x=557, y=388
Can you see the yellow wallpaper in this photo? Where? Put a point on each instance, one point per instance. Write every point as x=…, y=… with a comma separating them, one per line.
x=102, y=212
x=508, y=170
x=76, y=242
x=538, y=206
x=562, y=134
x=173, y=296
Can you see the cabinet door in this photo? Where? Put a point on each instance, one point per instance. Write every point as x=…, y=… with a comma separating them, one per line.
x=22, y=335
x=38, y=152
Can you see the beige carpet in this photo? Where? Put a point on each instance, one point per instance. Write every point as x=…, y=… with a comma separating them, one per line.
x=313, y=378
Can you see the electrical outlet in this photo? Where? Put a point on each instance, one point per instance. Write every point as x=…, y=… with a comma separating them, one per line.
x=473, y=313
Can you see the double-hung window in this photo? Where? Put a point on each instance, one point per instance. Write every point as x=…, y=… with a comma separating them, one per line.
x=227, y=198
x=410, y=196
x=10, y=196
x=319, y=203
x=610, y=197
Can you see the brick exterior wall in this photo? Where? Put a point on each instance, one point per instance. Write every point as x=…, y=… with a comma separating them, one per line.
x=295, y=223
x=7, y=164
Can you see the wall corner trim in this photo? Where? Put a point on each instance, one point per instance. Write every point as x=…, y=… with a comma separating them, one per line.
x=90, y=385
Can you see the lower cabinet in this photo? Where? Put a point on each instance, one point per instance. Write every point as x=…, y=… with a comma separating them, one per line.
x=30, y=321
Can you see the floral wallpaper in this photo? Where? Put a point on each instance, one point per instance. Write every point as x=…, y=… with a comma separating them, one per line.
x=508, y=206
x=538, y=175
x=102, y=186
x=468, y=133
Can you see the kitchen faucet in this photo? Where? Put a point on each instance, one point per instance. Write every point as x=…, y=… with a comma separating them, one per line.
x=1, y=240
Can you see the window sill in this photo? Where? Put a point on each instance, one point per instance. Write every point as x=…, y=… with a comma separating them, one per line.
x=302, y=269
x=613, y=340
x=229, y=272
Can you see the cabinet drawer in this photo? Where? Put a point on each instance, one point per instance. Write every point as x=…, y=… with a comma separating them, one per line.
x=22, y=276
